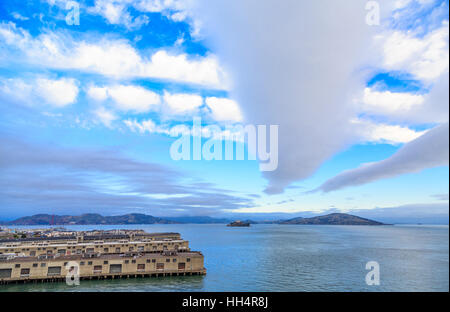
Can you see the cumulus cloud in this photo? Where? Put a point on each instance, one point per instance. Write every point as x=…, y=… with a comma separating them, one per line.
x=53, y=92
x=173, y=106
x=404, y=107
x=426, y=58
x=133, y=98
x=223, y=109
x=429, y=150
x=127, y=98
x=387, y=102
x=182, y=103
x=385, y=133
x=115, y=58
x=205, y=71
x=57, y=92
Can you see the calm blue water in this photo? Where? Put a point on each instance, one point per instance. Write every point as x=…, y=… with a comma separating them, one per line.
x=295, y=258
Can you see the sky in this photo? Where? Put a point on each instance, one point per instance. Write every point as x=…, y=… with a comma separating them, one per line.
x=94, y=94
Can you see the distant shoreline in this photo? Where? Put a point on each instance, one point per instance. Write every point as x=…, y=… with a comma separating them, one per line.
x=134, y=219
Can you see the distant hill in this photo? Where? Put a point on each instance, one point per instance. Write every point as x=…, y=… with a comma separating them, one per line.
x=137, y=218
x=333, y=219
x=90, y=218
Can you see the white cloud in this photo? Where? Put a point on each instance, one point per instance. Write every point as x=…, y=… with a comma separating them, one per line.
x=178, y=16
x=182, y=103
x=105, y=116
x=426, y=58
x=223, y=109
x=180, y=40
x=98, y=93
x=156, y=5
x=110, y=58
x=427, y=151
x=150, y=127
x=112, y=11
x=295, y=68
x=204, y=71
x=133, y=98
x=16, y=89
x=115, y=12
x=409, y=108
x=116, y=58
x=387, y=102
x=58, y=93
x=284, y=73
x=384, y=133
x=53, y=92
x=141, y=127
x=399, y=4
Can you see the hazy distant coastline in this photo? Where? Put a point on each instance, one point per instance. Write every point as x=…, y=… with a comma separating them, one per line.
x=136, y=218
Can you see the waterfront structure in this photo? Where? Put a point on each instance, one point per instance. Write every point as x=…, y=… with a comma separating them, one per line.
x=238, y=223
x=97, y=256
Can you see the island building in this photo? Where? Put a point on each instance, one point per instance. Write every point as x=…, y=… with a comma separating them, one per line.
x=97, y=255
x=238, y=224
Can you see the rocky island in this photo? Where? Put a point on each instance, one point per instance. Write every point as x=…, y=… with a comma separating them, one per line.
x=333, y=219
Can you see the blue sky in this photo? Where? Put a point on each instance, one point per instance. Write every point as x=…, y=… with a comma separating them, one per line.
x=86, y=111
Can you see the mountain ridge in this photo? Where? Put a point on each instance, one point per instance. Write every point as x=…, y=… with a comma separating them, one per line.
x=138, y=218
x=88, y=219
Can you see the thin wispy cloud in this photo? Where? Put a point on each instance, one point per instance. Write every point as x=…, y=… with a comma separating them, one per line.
x=429, y=150
x=68, y=180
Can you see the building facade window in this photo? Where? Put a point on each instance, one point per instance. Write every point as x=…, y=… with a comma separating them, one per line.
x=25, y=272
x=52, y=271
